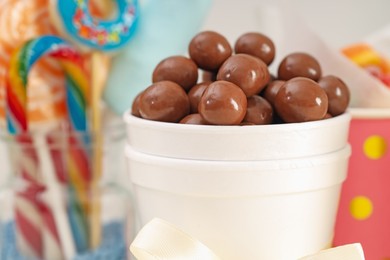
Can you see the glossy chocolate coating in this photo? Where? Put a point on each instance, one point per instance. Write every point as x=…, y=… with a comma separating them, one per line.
x=195, y=94
x=256, y=44
x=327, y=116
x=135, y=106
x=209, y=76
x=193, y=119
x=223, y=103
x=259, y=111
x=249, y=73
x=271, y=90
x=179, y=69
x=246, y=123
x=299, y=64
x=300, y=100
x=338, y=94
x=209, y=50
x=164, y=101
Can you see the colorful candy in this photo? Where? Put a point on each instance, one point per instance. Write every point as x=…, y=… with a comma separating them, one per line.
x=21, y=63
x=29, y=223
x=368, y=58
x=77, y=87
x=46, y=80
x=51, y=240
x=76, y=21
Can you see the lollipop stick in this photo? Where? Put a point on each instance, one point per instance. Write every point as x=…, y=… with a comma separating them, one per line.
x=98, y=83
x=55, y=199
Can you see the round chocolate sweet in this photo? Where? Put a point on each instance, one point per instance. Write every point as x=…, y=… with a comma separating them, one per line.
x=299, y=64
x=193, y=119
x=249, y=73
x=246, y=123
x=271, y=90
x=179, y=69
x=223, y=103
x=259, y=111
x=195, y=94
x=164, y=101
x=338, y=94
x=209, y=76
x=256, y=44
x=327, y=116
x=135, y=106
x=300, y=100
x=209, y=50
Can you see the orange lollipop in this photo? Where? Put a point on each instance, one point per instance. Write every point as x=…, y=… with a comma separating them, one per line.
x=20, y=21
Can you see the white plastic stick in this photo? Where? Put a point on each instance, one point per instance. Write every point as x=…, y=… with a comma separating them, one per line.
x=54, y=198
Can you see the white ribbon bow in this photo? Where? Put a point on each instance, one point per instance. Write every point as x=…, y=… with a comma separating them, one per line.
x=160, y=240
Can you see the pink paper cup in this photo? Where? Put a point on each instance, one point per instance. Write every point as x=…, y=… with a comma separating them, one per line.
x=364, y=212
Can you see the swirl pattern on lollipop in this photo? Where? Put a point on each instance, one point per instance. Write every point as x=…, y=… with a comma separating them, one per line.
x=74, y=19
x=77, y=87
x=21, y=20
x=21, y=63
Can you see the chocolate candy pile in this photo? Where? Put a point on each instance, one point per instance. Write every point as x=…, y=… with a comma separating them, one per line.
x=237, y=88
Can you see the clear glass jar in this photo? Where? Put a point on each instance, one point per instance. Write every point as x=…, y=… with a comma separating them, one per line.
x=56, y=205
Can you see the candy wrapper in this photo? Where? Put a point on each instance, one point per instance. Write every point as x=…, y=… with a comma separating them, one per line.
x=304, y=26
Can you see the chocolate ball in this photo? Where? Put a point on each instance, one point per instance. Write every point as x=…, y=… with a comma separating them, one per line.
x=271, y=90
x=209, y=50
x=209, y=76
x=193, y=119
x=299, y=65
x=259, y=111
x=135, y=106
x=300, y=100
x=164, y=101
x=223, y=103
x=246, y=123
x=327, y=116
x=256, y=44
x=195, y=94
x=179, y=69
x=338, y=94
x=249, y=73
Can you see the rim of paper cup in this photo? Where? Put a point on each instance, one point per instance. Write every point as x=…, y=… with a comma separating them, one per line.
x=261, y=165
x=240, y=178
x=370, y=113
x=190, y=128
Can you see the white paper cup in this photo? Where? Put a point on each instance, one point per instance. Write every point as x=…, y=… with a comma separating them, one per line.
x=238, y=143
x=275, y=209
